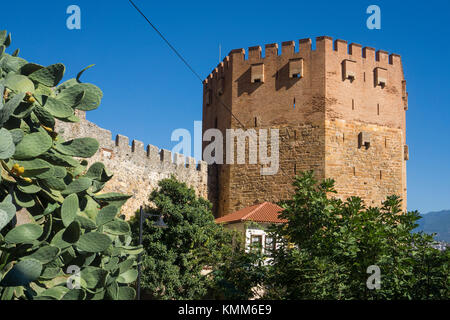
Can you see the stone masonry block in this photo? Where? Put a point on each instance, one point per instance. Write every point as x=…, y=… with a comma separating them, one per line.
x=137, y=146
x=179, y=159
x=190, y=162
x=202, y=166
x=153, y=153
x=166, y=156
x=122, y=142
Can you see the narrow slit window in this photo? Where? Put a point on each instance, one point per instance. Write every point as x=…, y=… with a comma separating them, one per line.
x=378, y=109
x=220, y=86
x=294, y=103
x=353, y=104
x=208, y=97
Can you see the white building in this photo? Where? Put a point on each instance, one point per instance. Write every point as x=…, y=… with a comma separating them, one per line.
x=253, y=222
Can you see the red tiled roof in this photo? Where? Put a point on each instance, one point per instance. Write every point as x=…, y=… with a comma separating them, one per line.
x=264, y=212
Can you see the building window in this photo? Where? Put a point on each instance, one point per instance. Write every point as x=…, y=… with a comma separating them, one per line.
x=269, y=245
x=255, y=243
x=220, y=86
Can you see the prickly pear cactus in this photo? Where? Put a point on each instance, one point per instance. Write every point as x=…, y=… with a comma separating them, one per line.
x=60, y=237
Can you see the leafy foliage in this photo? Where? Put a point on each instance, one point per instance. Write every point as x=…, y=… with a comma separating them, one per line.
x=327, y=246
x=175, y=256
x=68, y=222
x=240, y=275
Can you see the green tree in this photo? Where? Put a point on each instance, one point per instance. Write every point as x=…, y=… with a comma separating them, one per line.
x=240, y=275
x=53, y=218
x=328, y=244
x=174, y=257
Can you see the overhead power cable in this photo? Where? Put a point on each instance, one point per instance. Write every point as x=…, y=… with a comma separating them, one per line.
x=183, y=59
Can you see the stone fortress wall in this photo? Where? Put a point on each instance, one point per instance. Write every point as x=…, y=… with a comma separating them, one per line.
x=340, y=110
x=136, y=169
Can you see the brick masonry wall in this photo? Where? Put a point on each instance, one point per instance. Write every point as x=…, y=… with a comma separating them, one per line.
x=371, y=173
x=136, y=169
x=320, y=116
x=301, y=148
x=361, y=105
x=295, y=106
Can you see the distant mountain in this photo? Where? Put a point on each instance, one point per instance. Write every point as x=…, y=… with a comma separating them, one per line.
x=436, y=222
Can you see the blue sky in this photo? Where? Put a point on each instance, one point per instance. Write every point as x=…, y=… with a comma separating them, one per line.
x=148, y=92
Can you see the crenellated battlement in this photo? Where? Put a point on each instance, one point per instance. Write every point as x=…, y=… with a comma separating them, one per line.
x=219, y=71
x=304, y=49
x=155, y=156
x=120, y=147
x=305, y=66
x=137, y=167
